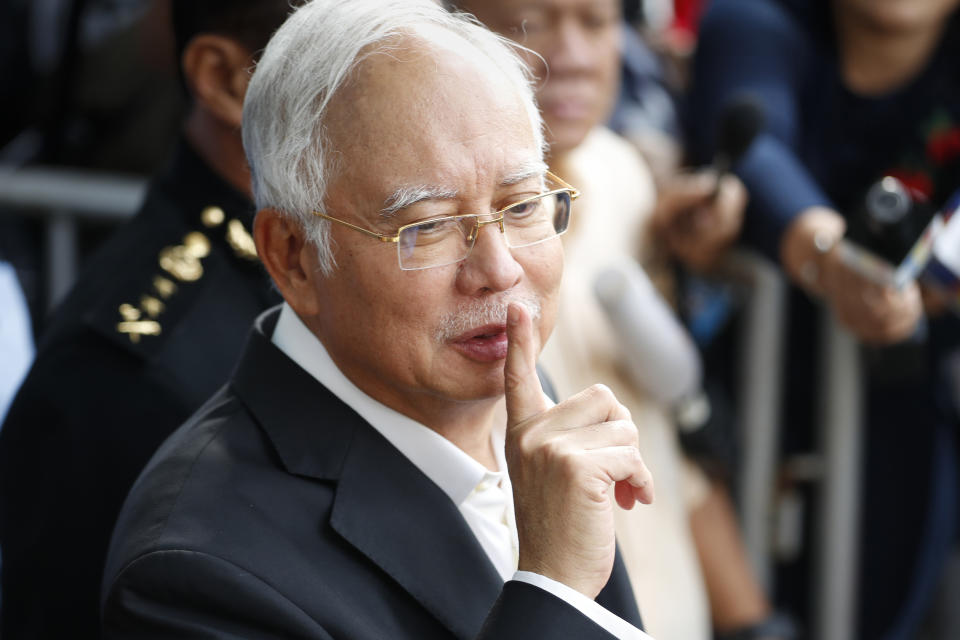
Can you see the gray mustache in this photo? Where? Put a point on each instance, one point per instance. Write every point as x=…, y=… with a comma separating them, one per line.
x=480, y=313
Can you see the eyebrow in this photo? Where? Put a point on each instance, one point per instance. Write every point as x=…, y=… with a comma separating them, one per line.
x=530, y=169
x=408, y=196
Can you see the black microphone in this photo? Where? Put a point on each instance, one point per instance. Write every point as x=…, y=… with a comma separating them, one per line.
x=741, y=120
x=889, y=221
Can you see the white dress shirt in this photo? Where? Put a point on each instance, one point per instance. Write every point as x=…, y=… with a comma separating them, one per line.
x=484, y=497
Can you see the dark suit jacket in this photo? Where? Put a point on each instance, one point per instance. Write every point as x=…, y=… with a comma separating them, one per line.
x=277, y=511
x=150, y=331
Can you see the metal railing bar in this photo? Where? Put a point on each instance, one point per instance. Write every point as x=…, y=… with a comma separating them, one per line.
x=85, y=194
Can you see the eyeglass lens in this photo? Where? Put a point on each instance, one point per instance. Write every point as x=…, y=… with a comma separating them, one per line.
x=434, y=243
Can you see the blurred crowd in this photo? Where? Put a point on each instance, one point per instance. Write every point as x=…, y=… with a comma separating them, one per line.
x=694, y=130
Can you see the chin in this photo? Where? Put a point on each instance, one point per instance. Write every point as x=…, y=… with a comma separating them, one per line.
x=480, y=390
x=465, y=380
x=566, y=137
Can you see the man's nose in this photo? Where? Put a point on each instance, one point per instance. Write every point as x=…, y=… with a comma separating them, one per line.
x=571, y=49
x=490, y=264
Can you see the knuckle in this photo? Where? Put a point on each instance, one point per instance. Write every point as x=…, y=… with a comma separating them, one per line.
x=552, y=452
x=624, y=430
x=558, y=456
x=525, y=442
x=603, y=392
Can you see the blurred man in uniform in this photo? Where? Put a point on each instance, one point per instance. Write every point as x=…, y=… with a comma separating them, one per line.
x=151, y=329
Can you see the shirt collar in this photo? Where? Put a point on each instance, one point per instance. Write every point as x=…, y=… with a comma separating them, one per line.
x=450, y=468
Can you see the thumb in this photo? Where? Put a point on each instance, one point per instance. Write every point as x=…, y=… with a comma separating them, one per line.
x=521, y=385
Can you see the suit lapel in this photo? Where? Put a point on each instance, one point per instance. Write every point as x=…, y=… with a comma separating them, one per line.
x=617, y=596
x=385, y=507
x=403, y=522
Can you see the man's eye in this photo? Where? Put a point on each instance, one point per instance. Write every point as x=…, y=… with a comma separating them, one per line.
x=434, y=227
x=597, y=22
x=523, y=209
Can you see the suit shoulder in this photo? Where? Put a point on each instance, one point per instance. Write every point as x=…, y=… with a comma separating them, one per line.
x=162, y=592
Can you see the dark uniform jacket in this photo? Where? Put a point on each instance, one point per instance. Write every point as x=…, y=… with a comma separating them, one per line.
x=151, y=330
x=277, y=511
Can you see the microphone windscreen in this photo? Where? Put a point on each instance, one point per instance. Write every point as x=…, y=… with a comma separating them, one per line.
x=658, y=352
x=740, y=122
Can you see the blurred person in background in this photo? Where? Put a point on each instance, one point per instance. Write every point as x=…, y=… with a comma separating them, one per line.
x=580, y=44
x=855, y=90
x=152, y=327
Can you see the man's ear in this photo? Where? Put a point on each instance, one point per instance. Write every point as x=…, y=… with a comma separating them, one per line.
x=289, y=259
x=217, y=70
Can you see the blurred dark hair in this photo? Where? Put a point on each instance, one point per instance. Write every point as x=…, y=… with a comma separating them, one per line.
x=249, y=22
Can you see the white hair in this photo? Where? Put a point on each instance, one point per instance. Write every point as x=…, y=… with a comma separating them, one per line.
x=308, y=59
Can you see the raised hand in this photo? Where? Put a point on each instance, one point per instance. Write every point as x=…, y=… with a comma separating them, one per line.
x=874, y=313
x=699, y=216
x=562, y=461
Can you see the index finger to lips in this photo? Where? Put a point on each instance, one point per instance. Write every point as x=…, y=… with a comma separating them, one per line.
x=524, y=395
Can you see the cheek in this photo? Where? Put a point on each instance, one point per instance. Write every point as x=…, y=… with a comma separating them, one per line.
x=544, y=269
x=610, y=75
x=409, y=305
x=548, y=284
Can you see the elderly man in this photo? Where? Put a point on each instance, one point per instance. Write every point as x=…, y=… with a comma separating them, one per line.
x=351, y=480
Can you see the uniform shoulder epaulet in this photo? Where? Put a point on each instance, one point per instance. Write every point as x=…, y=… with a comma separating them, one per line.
x=147, y=305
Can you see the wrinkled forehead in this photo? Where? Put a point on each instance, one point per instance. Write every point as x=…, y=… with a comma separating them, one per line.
x=429, y=105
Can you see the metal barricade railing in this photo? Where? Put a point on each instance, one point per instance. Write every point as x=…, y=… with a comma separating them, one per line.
x=836, y=461
x=62, y=197
x=760, y=386
x=838, y=518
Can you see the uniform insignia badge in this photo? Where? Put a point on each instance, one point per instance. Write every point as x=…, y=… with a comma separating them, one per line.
x=152, y=306
x=212, y=217
x=133, y=326
x=240, y=241
x=183, y=261
x=164, y=287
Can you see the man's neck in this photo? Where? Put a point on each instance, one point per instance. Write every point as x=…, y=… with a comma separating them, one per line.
x=475, y=438
x=875, y=61
x=468, y=425
x=220, y=147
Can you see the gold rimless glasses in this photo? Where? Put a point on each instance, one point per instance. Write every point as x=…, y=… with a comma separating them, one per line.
x=437, y=242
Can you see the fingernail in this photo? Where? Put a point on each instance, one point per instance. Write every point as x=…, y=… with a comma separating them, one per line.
x=512, y=315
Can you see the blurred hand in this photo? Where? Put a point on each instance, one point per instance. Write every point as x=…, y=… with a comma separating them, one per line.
x=875, y=313
x=936, y=302
x=698, y=217
x=562, y=461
